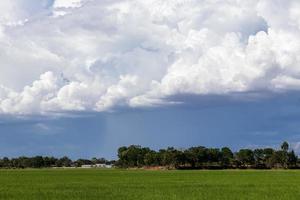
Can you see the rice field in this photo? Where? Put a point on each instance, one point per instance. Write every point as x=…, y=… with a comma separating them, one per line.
x=150, y=185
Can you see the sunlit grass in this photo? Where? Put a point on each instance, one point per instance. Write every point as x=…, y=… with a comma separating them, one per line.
x=129, y=184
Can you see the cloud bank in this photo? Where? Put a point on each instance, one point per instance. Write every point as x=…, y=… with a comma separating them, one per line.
x=90, y=55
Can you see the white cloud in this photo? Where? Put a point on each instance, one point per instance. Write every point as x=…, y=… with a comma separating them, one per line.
x=67, y=3
x=99, y=55
x=17, y=12
x=63, y=7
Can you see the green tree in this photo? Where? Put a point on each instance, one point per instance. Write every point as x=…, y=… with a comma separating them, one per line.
x=179, y=159
x=285, y=146
x=279, y=159
x=122, y=154
x=151, y=159
x=259, y=158
x=196, y=156
x=245, y=157
x=64, y=162
x=292, y=159
x=268, y=154
x=6, y=162
x=37, y=162
x=226, y=157
x=168, y=157
x=213, y=155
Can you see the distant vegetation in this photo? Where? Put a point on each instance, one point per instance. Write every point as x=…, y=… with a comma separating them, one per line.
x=199, y=157
x=208, y=158
x=47, y=162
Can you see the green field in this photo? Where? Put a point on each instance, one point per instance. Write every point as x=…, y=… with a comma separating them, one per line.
x=129, y=184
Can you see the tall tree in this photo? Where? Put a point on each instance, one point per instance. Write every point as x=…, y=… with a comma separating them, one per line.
x=245, y=157
x=292, y=159
x=259, y=158
x=226, y=157
x=285, y=146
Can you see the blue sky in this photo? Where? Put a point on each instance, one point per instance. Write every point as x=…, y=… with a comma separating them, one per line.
x=83, y=77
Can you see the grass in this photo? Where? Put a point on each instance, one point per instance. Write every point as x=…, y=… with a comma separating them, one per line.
x=149, y=185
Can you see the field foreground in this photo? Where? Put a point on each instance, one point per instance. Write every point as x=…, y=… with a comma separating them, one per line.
x=128, y=184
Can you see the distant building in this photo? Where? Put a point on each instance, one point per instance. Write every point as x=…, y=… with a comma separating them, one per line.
x=103, y=166
x=97, y=166
x=86, y=166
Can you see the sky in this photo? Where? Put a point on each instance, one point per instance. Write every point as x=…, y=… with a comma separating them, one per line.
x=83, y=77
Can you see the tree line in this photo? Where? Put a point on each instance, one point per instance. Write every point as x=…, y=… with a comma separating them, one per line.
x=201, y=157
x=47, y=162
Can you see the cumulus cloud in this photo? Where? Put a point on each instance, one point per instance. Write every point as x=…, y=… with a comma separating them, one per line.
x=62, y=55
